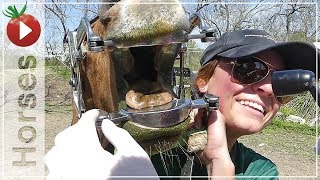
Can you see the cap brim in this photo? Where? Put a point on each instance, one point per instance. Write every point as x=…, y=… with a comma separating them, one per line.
x=297, y=55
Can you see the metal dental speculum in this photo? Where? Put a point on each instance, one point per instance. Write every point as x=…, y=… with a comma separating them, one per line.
x=160, y=116
x=177, y=112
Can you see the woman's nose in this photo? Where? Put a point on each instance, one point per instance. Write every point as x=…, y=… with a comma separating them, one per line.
x=264, y=87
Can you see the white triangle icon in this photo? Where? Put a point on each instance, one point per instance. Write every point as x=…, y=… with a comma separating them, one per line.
x=317, y=44
x=24, y=30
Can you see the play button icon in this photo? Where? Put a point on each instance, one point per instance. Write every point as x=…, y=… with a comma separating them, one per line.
x=24, y=30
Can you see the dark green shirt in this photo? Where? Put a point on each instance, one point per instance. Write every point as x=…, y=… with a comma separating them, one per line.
x=177, y=162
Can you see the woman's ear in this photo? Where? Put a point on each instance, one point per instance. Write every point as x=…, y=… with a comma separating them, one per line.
x=202, y=86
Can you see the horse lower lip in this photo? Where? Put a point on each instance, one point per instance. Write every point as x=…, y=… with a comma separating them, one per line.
x=138, y=100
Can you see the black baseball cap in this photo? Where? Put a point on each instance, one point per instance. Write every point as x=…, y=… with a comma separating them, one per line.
x=243, y=43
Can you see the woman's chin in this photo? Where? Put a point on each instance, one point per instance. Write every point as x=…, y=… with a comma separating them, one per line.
x=245, y=125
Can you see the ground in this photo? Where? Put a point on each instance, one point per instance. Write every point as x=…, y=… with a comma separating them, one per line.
x=293, y=153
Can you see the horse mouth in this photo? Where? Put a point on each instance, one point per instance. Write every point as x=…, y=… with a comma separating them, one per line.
x=137, y=100
x=146, y=87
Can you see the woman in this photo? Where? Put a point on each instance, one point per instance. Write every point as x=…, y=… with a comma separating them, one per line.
x=237, y=68
x=245, y=108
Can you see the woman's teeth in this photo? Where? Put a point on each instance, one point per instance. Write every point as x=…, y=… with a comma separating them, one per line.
x=253, y=105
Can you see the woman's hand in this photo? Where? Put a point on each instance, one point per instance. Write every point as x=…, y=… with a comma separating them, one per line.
x=216, y=153
x=77, y=153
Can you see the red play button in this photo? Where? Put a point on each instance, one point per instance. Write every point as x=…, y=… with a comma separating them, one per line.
x=24, y=30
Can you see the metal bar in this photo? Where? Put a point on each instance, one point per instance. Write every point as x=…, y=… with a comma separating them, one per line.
x=85, y=30
x=181, y=81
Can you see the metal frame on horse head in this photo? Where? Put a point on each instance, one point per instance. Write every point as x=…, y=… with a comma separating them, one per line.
x=179, y=108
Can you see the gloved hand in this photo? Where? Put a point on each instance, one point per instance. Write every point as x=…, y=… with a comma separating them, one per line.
x=77, y=153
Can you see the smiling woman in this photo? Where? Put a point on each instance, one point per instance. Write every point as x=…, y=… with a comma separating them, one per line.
x=236, y=68
x=246, y=110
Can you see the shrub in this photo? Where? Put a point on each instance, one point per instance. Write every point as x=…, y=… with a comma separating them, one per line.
x=58, y=67
x=293, y=126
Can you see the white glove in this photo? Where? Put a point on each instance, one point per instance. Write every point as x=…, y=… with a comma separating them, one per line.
x=77, y=153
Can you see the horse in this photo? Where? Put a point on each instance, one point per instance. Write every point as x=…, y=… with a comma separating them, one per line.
x=137, y=71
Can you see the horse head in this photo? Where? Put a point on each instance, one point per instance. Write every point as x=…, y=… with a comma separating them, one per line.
x=137, y=71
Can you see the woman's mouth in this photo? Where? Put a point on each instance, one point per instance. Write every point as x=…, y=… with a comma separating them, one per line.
x=253, y=105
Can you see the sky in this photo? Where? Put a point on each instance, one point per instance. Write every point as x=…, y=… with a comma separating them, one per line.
x=74, y=23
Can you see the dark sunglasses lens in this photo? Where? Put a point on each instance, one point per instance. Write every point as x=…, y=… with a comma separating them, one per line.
x=249, y=70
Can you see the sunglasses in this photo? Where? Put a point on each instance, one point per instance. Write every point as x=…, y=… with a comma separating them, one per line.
x=251, y=70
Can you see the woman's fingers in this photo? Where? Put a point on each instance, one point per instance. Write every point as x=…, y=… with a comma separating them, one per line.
x=82, y=133
x=217, y=139
x=121, y=139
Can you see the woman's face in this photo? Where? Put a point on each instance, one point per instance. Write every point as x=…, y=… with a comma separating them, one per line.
x=241, y=105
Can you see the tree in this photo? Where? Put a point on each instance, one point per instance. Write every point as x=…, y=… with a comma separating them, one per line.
x=291, y=18
x=194, y=56
x=279, y=19
x=63, y=16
